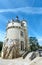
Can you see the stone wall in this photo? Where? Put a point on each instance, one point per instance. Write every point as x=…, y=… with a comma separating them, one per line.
x=10, y=52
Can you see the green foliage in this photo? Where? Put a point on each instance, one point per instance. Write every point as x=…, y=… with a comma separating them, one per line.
x=34, y=45
x=1, y=44
x=40, y=47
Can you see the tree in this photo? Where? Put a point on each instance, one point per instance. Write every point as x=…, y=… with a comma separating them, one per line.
x=40, y=47
x=34, y=45
x=1, y=44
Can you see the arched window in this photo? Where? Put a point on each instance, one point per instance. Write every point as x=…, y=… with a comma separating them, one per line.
x=7, y=40
x=22, y=45
x=22, y=33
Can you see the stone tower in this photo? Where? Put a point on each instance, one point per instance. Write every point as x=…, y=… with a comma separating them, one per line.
x=16, y=40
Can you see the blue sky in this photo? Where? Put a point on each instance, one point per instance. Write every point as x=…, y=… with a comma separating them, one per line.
x=31, y=10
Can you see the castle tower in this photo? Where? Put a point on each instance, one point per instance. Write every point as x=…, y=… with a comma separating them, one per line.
x=16, y=38
x=24, y=22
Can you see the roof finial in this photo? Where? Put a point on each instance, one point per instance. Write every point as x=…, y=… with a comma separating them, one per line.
x=8, y=21
x=17, y=17
x=24, y=19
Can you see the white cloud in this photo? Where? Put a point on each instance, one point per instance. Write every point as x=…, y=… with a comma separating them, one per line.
x=29, y=10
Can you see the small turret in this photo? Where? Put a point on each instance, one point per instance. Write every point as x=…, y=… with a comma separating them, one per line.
x=24, y=22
